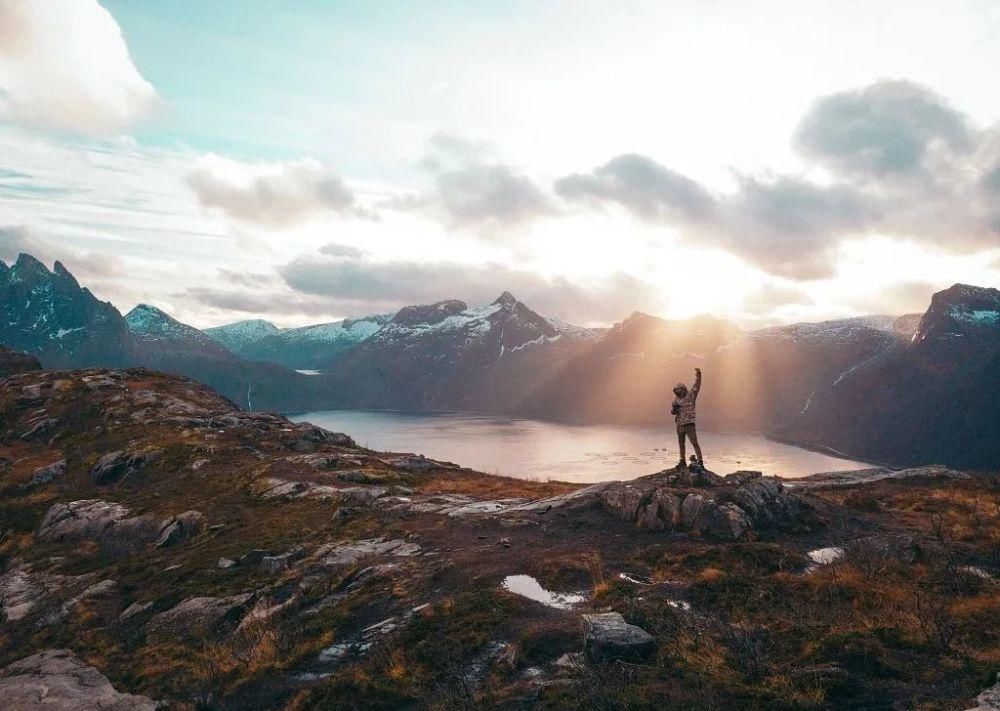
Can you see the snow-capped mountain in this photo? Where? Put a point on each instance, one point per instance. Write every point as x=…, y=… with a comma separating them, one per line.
x=322, y=346
x=906, y=390
x=162, y=332
x=311, y=347
x=236, y=336
x=447, y=355
x=932, y=398
x=47, y=313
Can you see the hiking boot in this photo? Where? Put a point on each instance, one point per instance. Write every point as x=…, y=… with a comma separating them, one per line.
x=681, y=465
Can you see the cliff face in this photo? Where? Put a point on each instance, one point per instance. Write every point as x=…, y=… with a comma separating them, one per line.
x=47, y=313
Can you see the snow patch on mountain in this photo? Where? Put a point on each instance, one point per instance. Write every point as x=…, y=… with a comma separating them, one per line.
x=236, y=335
x=976, y=317
x=837, y=331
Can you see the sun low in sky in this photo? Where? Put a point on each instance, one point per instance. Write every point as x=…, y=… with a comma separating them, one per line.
x=310, y=160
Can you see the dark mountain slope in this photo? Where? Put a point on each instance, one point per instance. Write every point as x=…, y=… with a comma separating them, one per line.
x=47, y=313
x=934, y=399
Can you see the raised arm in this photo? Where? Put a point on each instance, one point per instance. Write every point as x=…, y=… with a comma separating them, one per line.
x=697, y=383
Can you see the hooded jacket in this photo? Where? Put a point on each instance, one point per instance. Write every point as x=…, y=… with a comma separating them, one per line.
x=684, y=407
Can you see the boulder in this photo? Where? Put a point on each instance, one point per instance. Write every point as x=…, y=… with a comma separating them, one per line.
x=691, y=510
x=180, y=528
x=48, y=474
x=200, y=617
x=728, y=522
x=624, y=501
x=607, y=637
x=115, y=466
x=80, y=520
x=57, y=680
x=988, y=700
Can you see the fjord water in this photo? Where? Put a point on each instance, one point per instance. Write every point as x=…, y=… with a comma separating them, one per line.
x=531, y=449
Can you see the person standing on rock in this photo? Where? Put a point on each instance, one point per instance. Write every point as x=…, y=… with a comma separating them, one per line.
x=683, y=410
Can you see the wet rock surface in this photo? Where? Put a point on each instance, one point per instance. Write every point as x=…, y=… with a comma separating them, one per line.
x=57, y=679
x=608, y=637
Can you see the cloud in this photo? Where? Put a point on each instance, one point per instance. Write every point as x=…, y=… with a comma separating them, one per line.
x=64, y=65
x=271, y=194
x=903, y=162
x=769, y=297
x=788, y=226
x=387, y=286
x=472, y=188
x=897, y=299
x=886, y=129
x=256, y=301
x=341, y=250
x=784, y=225
x=15, y=239
x=480, y=193
x=641, y=185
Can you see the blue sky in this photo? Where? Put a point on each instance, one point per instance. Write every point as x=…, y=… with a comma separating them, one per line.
x=763, y=160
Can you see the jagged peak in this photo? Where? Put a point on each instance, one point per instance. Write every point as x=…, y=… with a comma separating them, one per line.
x=27, y=264
x=62, y=272
x=505, y=299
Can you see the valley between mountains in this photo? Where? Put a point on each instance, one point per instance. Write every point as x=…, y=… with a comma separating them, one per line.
x=166, y=542
x=903, y=390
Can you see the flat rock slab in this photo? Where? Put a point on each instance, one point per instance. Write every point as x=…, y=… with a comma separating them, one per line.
x=201, y=617
x=57, y=680
x=607, y=637
x=348, y=553
x=865, y=476
x=80, y=520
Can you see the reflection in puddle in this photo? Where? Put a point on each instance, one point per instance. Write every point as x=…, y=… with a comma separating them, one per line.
x=527, y=586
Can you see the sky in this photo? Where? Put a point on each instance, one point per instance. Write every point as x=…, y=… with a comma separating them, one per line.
x=763, y=161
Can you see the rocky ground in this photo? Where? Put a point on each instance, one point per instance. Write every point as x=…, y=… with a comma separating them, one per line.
x=159, y=546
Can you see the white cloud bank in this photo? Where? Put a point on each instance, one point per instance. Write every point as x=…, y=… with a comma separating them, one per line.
x=276, y=194
x=64, y=65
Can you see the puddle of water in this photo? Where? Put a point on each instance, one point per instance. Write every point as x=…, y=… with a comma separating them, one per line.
x=825, y=556
x=527, y=586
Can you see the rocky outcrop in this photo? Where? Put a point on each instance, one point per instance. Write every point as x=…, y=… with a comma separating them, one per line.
x=57, y=680
x=116, y=466
x=728, y=509
x=180, y=528
x=608, y=637
x=347, y=553
x=88, y=519
x=201, y=617
x=989, y=700
x=858, y=477
x=45, y=597
x=14, y=362
x=48, y=474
